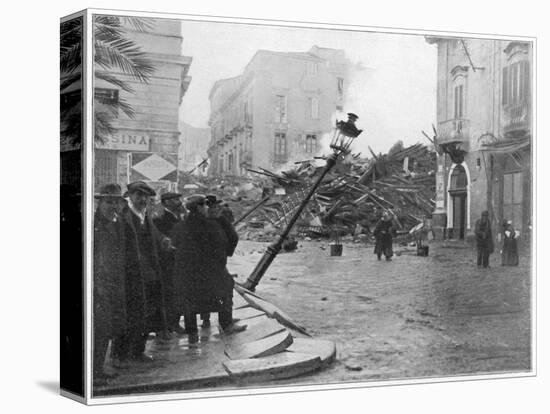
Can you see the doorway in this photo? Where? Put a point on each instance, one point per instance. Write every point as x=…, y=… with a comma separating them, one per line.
x=459, y=214
x=458, y=203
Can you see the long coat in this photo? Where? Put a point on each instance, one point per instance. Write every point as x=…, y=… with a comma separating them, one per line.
x=140, y=309
x=109, y=281
x=383, y=234
x=201, y=282
x=510, y=247
x=484, y=236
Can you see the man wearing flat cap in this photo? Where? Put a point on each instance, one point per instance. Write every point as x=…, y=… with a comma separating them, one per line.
x=201, y=281
x=146, y=288
x=170, y=216
x=109, y=300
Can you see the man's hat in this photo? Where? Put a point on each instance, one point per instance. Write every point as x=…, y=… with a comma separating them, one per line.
x=211, y=199
x=142, y=187
x=109, y=190
x=169, y=196
x=485, y=213
x=195, y=200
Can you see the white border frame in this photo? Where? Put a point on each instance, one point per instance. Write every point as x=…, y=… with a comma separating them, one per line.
x=88, y=150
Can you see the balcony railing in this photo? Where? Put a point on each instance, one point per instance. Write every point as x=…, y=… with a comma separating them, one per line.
x=516, y=119
x=453, y=130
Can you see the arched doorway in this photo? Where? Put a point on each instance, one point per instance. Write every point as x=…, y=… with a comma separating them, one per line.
x=458, y=202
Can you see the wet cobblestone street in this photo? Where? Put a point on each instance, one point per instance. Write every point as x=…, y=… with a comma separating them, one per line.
x=412, y=317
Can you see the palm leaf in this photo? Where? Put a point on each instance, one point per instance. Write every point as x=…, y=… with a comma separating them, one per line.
x=69, y=80
x=103, y=126
x=140, y=24
x=113, y=80
x=126, y=56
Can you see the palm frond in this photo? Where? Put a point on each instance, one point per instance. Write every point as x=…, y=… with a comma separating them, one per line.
x=140, y=24
x=125, y=55
x=71, y=59
x=70, y=80
x=126, y=108
x=113, y=80
x=103, y=127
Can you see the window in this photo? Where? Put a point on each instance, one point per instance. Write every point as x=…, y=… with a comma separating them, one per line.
x=230, y=161
x=314, y=108
x=516, y=83
x=105, y=167
x=512, y=198
x=459, y=102
x=280, y=108
x=107, y=97
x=280, y=146
x=311, y=144
x=312, y=68
x=459, y=179
x=340, y=88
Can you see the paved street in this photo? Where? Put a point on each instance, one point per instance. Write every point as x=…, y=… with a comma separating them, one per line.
x=409, y=318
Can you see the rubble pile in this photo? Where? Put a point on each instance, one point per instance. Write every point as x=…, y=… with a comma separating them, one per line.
x=349, y=201
x=351, y=197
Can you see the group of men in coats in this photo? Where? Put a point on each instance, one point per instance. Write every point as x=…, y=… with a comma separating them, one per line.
x=149, y=271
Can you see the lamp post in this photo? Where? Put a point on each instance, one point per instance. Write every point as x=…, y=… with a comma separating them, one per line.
x=344, y=134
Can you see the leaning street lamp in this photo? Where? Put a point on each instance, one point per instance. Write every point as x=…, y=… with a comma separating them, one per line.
x=344, y=134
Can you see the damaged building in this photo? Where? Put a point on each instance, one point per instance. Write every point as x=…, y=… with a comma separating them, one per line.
x=483, y=134
x=276, y=111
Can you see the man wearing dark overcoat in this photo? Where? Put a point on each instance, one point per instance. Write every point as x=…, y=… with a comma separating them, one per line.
x=109, y=300
x=221, y=220
x=201, y=281
x=145, y=285
x=383, y=233
x=171, y=215
x=484, y=240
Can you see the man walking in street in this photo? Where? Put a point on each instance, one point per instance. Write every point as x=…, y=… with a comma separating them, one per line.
x=484, y=240
x=145, y=284
x=109, y=300
x=383, y=233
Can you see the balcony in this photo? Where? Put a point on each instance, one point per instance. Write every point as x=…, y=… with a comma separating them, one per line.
x=516, y=120
x=453, y=131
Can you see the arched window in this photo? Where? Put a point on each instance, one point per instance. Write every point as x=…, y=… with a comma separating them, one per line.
x=459, y=180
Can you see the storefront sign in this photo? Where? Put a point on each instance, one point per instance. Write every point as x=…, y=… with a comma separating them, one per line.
x=153, y=167
x=132, y=142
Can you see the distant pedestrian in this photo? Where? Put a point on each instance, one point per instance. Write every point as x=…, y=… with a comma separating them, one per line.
x=484, y=240
x=510, y=245
x=383, y=233
x=109, y=300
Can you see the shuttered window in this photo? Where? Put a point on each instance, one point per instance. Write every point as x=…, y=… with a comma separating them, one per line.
x=516, y=83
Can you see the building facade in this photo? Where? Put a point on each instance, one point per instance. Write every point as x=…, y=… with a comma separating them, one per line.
x=276, y=111
x=193, y=149
x=484, y=134
x=146, y=146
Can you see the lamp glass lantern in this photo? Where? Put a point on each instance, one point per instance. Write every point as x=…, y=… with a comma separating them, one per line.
x=344, y=134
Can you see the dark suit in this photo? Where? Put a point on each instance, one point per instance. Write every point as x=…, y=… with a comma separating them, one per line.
x=145, y=284
x=165, y=224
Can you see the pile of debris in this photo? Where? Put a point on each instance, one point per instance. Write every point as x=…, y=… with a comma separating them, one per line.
x=351, y=197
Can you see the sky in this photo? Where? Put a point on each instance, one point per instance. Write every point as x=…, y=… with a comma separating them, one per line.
x=394, y=95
